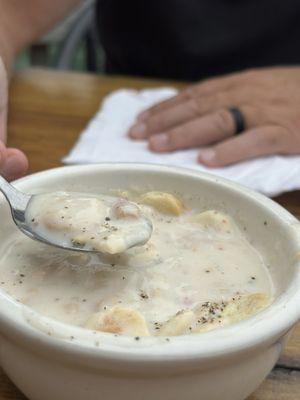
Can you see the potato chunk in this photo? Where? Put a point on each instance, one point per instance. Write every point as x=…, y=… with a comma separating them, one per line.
x=215, y=220
x=245, y=306
x=179, y=324
x=214, y=315
x=120, y=320
x=164, y=202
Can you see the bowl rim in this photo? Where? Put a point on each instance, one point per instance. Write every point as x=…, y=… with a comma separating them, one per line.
x=259, y=330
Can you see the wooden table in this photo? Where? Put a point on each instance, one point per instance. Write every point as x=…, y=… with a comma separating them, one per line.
x=47, y=112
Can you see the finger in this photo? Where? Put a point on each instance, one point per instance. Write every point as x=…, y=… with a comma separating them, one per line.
x=2, y=154
x=183, y=112
x=253, y=143
x=3, y=101
x=200, y=131
x=15, y=166
x=3, y=121
x=208, y=86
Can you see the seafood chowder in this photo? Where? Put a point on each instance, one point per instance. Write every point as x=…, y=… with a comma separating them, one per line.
x=169, y=270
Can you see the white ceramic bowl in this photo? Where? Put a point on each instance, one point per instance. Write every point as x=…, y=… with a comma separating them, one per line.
x=43, y=360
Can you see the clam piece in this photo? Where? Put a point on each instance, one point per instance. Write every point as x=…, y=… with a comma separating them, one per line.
x=165, y=203
x=179, y=324
x=120, y=320
x=214, y=220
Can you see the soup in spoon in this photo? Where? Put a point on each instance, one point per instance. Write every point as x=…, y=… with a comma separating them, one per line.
x=97, y=223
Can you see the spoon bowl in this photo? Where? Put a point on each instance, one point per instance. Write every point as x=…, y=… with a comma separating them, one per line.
x=19, y=203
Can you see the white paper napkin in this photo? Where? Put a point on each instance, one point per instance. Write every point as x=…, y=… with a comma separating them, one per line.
x=105, y=139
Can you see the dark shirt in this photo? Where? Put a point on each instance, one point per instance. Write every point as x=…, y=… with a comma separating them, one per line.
x=194, y=39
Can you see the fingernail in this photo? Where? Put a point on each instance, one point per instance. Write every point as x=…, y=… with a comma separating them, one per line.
x=207, y=155
x=159, y=142
x=143, y=116
x=138, y=131
x=12, y=168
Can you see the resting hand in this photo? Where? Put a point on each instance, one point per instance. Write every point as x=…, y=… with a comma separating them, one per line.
x=269, y=100
x=13, y=163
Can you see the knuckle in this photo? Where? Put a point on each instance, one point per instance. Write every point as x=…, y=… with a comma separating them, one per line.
x=155, y=123
x=223, y=121
x=251, y=74
x=203, y=104
x=273, y=140
x=220, y=98
x=174, y=139
x=256, y=115
x=208, y=83
x=190, y=92
x=196, y=105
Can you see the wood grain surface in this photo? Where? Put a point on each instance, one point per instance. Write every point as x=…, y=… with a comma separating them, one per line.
x=48, y=110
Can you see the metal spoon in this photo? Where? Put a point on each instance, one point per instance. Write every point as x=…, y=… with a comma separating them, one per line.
x=18, y=202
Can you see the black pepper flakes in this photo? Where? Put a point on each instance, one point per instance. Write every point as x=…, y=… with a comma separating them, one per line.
x=143, y=295
x=137, y=338
x=107, y=219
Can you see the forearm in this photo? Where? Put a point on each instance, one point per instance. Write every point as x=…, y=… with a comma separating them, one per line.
x=22, y=22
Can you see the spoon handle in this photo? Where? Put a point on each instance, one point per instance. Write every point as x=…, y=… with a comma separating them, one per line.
x=16, y=199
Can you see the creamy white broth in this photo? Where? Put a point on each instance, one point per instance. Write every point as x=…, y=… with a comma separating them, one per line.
x=197, y=272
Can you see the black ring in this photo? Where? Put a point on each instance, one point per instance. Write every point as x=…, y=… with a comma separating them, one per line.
x=238, y=118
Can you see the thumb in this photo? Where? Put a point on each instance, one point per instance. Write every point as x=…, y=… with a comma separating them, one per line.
x=15, y=164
